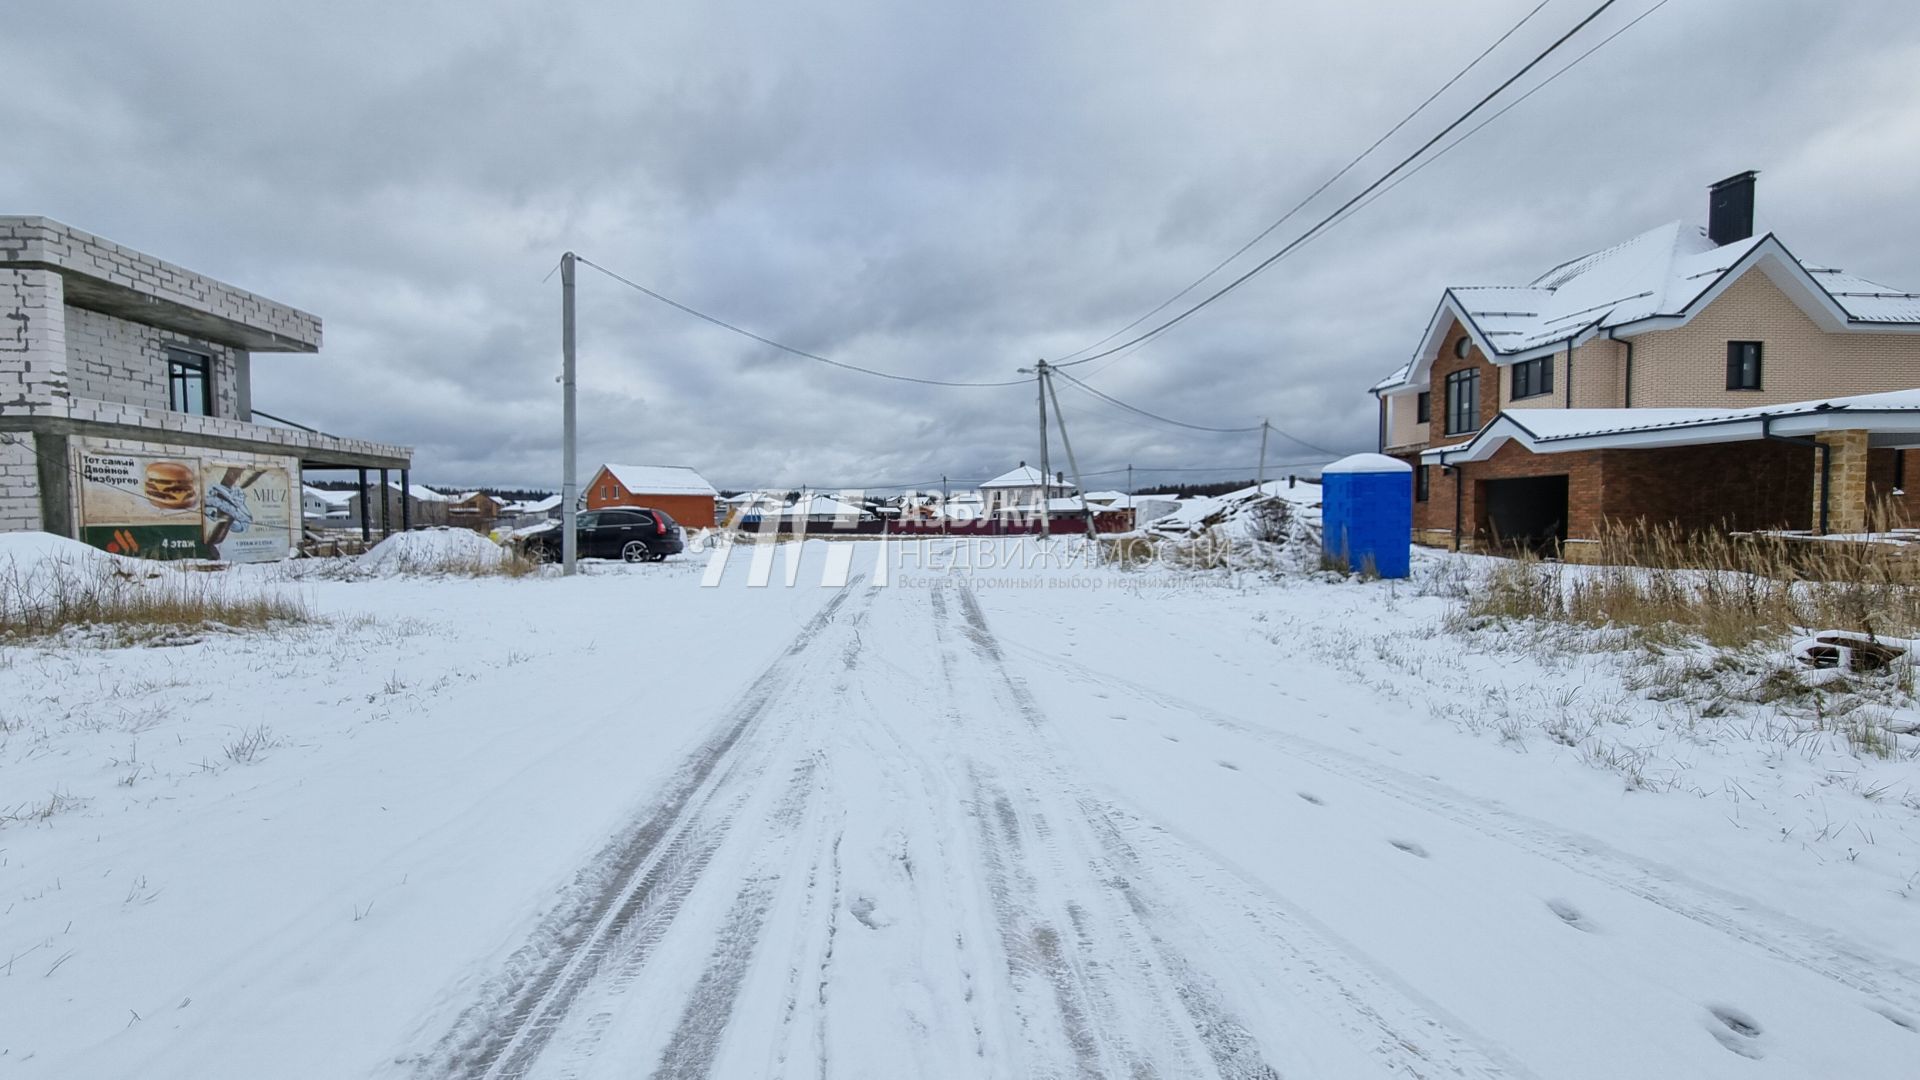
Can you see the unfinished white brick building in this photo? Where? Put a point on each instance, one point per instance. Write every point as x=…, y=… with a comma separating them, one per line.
x=126, y=406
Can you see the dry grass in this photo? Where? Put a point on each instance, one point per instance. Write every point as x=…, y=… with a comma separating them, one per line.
x=1726, y=590
x=107, y=605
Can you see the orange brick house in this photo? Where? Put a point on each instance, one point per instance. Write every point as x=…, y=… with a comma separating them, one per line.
x=1700, y=378
x=677, y=490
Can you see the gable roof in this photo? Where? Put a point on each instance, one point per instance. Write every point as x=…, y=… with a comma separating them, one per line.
x=1655, y=281
x=1547, y=431
x=1026, y=476
x=660, y=480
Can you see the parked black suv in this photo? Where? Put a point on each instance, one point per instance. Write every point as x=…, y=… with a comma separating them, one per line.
x=635, y=534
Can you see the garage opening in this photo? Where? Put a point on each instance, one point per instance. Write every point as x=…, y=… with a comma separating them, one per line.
x=1525, y=513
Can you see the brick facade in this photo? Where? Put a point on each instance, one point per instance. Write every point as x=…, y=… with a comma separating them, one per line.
x=117, y=360
x=1747, y=485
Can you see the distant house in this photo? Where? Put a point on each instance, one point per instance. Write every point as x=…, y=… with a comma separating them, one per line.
x=475, y=510
x=519, y=515
x=318, y=505
x=424, y=506
x=678, y=491
x=1019, y=491
x=826, y=512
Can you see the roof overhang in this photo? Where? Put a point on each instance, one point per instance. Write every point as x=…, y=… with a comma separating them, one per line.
x=1887, y=427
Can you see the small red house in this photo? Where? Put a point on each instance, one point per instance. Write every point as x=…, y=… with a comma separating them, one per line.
x=677, y=490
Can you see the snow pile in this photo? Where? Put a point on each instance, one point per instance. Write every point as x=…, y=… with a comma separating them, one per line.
x=1272, y=512
x=36, y=566
x=431, y=551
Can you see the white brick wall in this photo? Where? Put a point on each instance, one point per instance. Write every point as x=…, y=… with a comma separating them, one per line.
x=42, y=240
x=113, y=360
x=19, y=483
x=33, y=352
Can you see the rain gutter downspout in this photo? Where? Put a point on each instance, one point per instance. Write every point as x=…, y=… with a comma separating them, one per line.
x=1569, y=373
x=1611, y=336
x=1826, y=463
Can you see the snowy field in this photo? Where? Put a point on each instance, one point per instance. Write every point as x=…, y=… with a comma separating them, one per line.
x=1018, y=822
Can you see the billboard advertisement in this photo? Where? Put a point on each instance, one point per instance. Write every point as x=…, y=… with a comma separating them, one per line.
x=160, y=505
x=249, y=511
x=141, y=504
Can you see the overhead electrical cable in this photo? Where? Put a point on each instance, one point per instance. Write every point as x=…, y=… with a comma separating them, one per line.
x=1477, y=128
x=1329, y=182
x=1111, y=400
x=762, y=339
x=1381, y=181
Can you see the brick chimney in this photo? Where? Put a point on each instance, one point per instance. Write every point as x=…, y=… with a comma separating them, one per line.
x=1730, y=209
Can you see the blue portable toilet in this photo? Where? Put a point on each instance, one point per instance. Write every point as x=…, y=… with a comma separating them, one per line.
x=1366, y=513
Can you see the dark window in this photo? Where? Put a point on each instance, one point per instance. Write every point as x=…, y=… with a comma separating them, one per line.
x=1463, y=401
x=189, y=382
x=586, y=521
x=1531, y=378
x=1462, y=347
x=1743, y=365
x=1423, y=408
x=1900, y=470
x=1420, y=483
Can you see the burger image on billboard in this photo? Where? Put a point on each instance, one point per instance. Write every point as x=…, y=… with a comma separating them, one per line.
x=170, y=485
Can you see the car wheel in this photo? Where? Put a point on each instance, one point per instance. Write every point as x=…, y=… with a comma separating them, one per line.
x=634, y=551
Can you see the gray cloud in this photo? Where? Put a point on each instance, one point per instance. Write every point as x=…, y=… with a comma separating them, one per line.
x=946, y=192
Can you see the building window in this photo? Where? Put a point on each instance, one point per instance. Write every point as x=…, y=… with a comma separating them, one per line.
x=1531, y=378
x=1423, y=408
x=189, y=382
x=1463, y=401
x=1420, y=484
x=1743, y=365
x=1462, y=347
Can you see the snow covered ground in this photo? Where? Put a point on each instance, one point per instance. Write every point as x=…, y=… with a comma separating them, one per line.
x=1019, y=821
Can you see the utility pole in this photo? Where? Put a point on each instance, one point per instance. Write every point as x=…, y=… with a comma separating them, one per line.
x=945, y=497
x=569, y=485
x=1093, y=537
x=1129, y=485
x=1261, y=480
x=1046, y=472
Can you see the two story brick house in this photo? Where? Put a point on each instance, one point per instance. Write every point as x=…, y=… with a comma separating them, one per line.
x=1699, y=378
x=126, y=403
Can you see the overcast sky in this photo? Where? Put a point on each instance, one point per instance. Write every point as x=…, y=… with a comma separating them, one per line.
x=947, y=191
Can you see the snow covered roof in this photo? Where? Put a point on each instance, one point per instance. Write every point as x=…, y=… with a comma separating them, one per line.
x=823, y=506
x=331, y=498
x=1894, y=414
x=535, y=506
x=660, y=480
x=1026, y=476
x=1106, y=497
x=1654, y=281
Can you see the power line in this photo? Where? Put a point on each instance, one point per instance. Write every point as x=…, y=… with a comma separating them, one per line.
x=1111, y=400
x=1476, y=129
x=725, y=325
x=1329, y=182
x=1324, y=222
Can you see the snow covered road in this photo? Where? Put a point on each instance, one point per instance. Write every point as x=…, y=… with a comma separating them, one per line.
x=945, y=830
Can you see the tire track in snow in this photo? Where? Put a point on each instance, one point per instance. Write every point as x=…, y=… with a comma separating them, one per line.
x=1744, y=919
x=1407, y=1034
x=637, y=882
x=696, y=1040
x=1126, y=1000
